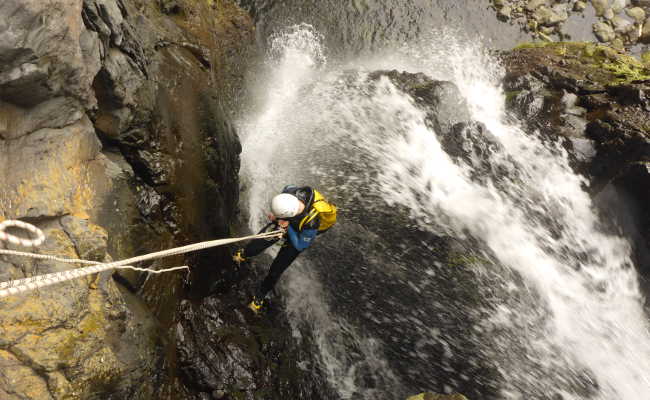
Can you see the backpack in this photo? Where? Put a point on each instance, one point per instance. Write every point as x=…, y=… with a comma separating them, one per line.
x=323, y=209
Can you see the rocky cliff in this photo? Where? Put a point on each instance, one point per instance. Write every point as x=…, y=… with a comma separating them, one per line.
x=596, y=101
x=115, y=140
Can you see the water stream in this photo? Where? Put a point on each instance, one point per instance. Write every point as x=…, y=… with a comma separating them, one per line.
x=549, y=306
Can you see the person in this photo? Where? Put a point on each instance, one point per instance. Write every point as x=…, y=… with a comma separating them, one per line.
x=303, y=213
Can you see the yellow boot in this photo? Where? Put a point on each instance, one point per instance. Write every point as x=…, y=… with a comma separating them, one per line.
x=238, y=257
x=256, y=305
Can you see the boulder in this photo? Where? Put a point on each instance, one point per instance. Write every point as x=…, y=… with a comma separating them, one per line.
x=601, y=6
x=504, y=13
x=551, y=16
x=621, y=25
x=532, y=5
x=618, y=5
x=637, y=13
x=579, y=6
x=604, y=32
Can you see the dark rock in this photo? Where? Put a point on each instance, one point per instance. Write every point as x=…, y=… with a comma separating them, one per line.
x=56, y=113
x=170, y=6
x=604, y=88
x=223, y=349
x=445, y=105
x=631, y=94
x=89, y=240
x=46, y=62
x=636, y=181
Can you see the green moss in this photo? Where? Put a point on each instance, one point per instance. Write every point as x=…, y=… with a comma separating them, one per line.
x=617, y=66
x=530, y=45
x=627, y=71
x=645, y=59
x=88, y=326
x=238, y=395
x=511, y=94
x=464, y=260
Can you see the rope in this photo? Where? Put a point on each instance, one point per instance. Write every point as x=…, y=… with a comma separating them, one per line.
x=35, y=282
x=5, y=237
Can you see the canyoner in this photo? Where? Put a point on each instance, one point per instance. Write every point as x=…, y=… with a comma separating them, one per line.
x=302, y=213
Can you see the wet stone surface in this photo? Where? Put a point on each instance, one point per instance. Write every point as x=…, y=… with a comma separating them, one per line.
x=621, y=23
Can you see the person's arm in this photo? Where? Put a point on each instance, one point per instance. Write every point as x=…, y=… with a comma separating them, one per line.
x=289, y=189
x=303, y=239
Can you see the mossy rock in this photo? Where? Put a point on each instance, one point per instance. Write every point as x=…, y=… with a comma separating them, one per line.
x=600, y=64
x=645, y=59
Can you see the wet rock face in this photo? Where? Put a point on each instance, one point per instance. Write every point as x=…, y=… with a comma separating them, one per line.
x=447, y=113
x=595, y=100
x=45, y=52
x=226, y=352
x=115, y=141
x=78, y=339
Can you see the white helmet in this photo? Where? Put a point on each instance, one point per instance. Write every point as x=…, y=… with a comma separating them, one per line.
x=285, y=205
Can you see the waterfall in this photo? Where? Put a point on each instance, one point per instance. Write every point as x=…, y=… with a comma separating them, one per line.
x=567, y=317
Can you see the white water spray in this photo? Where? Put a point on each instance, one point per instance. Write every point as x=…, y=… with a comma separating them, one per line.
x=272, y=144
x=537, y=221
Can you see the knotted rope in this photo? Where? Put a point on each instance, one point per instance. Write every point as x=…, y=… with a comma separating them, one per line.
x=35, y=282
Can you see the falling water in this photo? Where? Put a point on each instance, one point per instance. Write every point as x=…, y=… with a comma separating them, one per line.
x=564, y=316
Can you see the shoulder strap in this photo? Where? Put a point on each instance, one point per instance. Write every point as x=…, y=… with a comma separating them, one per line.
x=308, y=218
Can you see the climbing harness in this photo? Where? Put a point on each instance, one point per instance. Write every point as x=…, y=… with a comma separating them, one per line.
x=35, y=282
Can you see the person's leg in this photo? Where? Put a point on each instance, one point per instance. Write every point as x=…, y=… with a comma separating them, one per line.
x=285, y=257
x=256, y=246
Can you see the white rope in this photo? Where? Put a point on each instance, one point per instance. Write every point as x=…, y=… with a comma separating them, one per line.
x=5, y=237
x=35, y=282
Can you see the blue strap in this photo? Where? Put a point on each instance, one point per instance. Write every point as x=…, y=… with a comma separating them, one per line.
x=303, y=239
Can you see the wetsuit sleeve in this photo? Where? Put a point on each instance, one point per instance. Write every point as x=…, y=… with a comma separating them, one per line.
x=303, y=239
x=289, y=189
